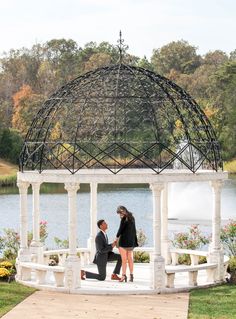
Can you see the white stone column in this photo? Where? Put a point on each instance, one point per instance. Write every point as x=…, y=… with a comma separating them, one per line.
x=216, y=254
x=36, y=247
x=72, y=263
x=23, y=254
x=165, y=243
x=157, y=261
x=93, y=220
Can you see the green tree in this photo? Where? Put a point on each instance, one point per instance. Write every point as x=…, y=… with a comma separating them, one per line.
x=10, y=145
x=144, y=63
x=232, y=55
x=97, y=60
x=215, y=58
x=202, y=87
x=177, y=55
x=225, y=83
x=63, y=57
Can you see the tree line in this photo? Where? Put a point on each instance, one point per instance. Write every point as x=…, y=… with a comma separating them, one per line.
x=29, y=76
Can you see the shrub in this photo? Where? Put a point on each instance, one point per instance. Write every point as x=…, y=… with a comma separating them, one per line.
x=61, y=243
x=184, y=259
x=4, y=273
x=202, y=260
x=10, y=241
x=141, y=256
x=228, y=237
x=6, y=264
x=193, y=239
x=232, y=270
x=9, y=266
x=232, y=264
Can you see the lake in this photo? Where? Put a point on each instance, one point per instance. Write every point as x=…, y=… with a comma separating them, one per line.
x=189, y=203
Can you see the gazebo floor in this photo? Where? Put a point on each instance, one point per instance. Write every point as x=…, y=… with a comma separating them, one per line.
x=141, y=284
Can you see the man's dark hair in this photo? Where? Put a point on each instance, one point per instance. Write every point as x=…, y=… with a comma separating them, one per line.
x=99, y=223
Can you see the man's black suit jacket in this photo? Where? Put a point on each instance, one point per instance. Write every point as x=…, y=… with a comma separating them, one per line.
x=102, y=249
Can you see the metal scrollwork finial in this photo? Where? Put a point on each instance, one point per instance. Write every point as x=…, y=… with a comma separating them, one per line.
x=121, y=47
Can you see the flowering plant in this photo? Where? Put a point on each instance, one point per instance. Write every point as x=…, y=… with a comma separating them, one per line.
x=10, y=241
x=43, y=230
x=191, y=240
x=228, y=237
x=4, y=273
x=6, y=264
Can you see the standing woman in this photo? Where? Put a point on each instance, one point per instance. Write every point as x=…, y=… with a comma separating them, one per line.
x=127, y=240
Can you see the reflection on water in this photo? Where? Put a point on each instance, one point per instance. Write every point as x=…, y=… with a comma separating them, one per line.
x=188, y=202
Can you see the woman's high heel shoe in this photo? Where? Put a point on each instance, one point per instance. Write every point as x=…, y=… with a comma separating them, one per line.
x=131, y=278
x=123, y=278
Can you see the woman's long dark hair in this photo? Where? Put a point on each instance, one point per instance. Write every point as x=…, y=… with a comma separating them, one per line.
x=128, y=215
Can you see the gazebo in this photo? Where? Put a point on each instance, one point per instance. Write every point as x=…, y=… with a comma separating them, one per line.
x=119, y=124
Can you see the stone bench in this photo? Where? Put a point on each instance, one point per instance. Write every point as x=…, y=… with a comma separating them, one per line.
x=193, y=272
x=25, y=272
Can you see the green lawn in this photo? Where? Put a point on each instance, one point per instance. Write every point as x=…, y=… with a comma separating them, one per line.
x=217, y=302
x=11, y=294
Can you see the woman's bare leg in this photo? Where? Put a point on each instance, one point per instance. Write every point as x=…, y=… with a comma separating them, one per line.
x=123, y=254
x=130, y=261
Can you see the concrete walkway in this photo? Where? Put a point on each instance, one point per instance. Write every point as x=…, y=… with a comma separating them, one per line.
x=52, y=305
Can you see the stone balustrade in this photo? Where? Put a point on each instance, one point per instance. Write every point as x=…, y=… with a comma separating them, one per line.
x=61, y=255
x=194, y=255
x=37, y=275
x=193, y=268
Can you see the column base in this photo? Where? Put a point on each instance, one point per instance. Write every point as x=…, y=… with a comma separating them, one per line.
x=92, y=249
x=217, y=256
x=157, y=272
x=165, y=248
x=24, y=254
x=72, y=272
x=36, y=250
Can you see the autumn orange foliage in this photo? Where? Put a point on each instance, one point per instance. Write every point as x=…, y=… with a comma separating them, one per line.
x=25, y=106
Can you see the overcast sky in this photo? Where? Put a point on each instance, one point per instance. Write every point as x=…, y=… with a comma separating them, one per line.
x=145, y=24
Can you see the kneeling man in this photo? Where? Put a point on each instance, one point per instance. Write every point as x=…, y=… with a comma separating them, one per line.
x=103, y=254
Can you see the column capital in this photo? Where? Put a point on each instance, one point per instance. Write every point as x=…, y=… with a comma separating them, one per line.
x=157, y=187
x=72, y=187
x=93, y=186
x=35, y=185
x=217, y=185
x=23, y=186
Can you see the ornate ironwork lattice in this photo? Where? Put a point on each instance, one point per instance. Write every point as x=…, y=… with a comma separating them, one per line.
x=119, y=117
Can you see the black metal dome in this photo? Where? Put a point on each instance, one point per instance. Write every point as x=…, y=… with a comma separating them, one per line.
x=118, y=117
